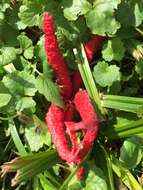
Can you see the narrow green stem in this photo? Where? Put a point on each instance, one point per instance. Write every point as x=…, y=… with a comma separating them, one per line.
x=87, y=77
x=53, y=179
x=126, y=99
x=64, y=185
x=125, y=130
x=8, y=118
x=68, y=179
x=128, y=126
x=140, y=31
x=134, y=108
x=46, y=181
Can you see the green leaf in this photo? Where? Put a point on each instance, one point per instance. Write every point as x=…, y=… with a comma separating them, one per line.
x=4, y=6
x=24, y=41
x=137, y=6
x=74, y=8
x=48, y=88
x=87, y=77
x=8, y=34
x=16, y=138
x=9, y=106
x=25, y=103
x=130, y=13
x=75, y=186
x=26, y=46
x=3, y=89
x=101, y=18
x=106, y=75
x=28, y=53
x=4, y=99
x=37, y=135
x=125, y=175
x=46, y=184
x=20, y=83
x=29, y=13
x=113, y=50
x=95, y=179
x=8, y=55
x=40, y=52
x=131, y=152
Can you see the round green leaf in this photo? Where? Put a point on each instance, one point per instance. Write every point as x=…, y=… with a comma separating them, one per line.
x=101, y=18
x=131, y=152
x=20, y=83
x=95, y=179
x=106, y=75
x=113, y=50
x=74, y=8
x=8, y=55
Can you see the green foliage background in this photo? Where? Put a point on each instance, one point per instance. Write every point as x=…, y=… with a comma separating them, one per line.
x=28, y=86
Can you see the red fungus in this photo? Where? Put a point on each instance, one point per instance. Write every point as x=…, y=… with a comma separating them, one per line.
x=93, y=45
x=56, y=120
x=60, y=122
x=89, y=124
x=77, y=81
x=55, y=57
x=55, y=123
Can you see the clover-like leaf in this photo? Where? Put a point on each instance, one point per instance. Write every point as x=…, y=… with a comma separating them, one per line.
x=29, y=13
x=130, y=13
x=106, y=75
x=101, y=18
x=26, y=46
x=113, y=50
x=37, y=134
x=20, y=83
x=8, y=55
x=131, y=152
x=74, y=8
x=25, y=103
x=95, y=178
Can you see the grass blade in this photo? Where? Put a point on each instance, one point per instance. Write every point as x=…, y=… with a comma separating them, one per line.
x=103, y=161
x=16, y=139
x=87, y=77
x=125, y=175
x=30, y=165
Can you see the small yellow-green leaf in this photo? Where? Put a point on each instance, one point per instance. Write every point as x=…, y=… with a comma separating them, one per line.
x=4, y=99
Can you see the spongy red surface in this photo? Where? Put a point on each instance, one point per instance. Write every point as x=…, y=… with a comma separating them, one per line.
x=93, y=45
x=60, y=123
x=55, y=57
